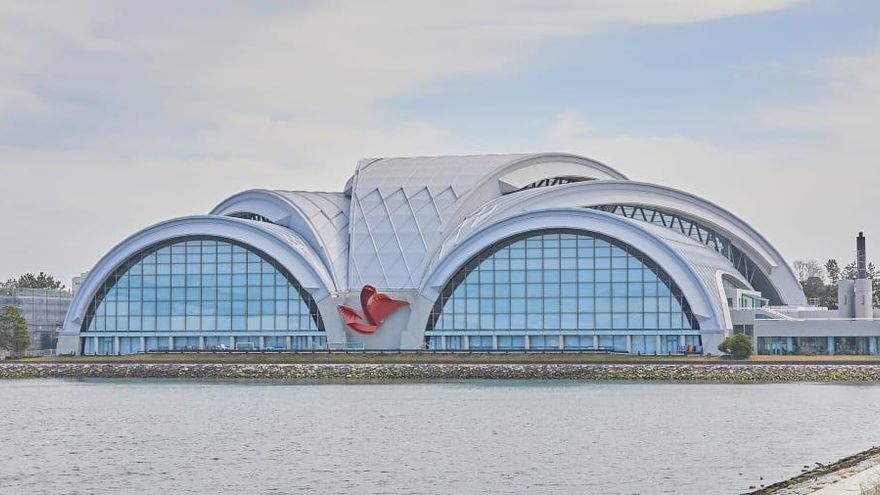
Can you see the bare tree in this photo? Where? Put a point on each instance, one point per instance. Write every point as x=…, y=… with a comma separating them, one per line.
x=808, y=269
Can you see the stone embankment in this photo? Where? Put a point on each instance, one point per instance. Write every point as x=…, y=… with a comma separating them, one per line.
x=825, y=475
x=649, y=372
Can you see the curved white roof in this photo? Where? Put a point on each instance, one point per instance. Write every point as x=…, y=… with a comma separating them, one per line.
x=321, y=218
x=397, y=214
x=282, y=244
x=694, y=268
x=401, y=208
x=594, y=193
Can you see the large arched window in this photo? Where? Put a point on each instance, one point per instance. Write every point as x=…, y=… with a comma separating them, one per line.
x=201, y=284
x=562, y=284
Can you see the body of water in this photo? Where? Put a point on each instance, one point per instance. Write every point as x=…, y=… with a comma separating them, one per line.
x=139, y=436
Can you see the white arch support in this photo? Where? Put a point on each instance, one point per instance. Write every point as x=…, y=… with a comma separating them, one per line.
x=283, y=246
x=701, y=294
x=488, y=187
x=321, y=219
x=594, y=193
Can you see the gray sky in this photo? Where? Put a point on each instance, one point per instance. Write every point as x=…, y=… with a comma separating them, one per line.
x=116, y=115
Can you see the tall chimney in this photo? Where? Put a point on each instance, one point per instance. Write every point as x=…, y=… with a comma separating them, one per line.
x=863, y=286
x=861, y=261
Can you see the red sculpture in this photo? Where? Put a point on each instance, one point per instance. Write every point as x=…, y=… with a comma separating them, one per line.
x=376, y=306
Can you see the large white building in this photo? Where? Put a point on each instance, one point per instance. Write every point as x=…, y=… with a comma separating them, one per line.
x=525, y=251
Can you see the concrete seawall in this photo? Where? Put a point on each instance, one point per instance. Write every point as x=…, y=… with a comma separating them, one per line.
x=734, y=373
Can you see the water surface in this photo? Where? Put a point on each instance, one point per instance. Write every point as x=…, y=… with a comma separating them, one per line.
x=140, y=436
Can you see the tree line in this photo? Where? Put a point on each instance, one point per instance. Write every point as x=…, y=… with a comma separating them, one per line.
x=820, y=281
x=31, y=281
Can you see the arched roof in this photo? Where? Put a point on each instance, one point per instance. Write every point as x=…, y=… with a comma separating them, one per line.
x=284, y=246
x=412, y=202
x=320, y=218
x=690, y=265
x=594, y=193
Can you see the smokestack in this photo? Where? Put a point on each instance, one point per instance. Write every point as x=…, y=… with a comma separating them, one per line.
x=863, y=287
x=861, y=261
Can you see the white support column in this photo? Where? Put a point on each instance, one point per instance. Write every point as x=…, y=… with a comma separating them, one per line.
x=143, y=344
x=629, y=343
x=262, y=342
x=232, y=342
x=681, y=341
x=595, y=341
x=526, y=342
x=170, y=343
x=201, y=342
x=831, y=349
x=287, y=342
x=97, y=350
x=467, y=342
x=116, y=348
x=789, y=344
x=443, y=342
x=561, y=342
x=660, y=349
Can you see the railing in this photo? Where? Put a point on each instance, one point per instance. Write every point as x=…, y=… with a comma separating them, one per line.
x=39, y=352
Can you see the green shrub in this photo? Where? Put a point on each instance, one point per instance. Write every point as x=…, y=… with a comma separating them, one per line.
x=738, y=346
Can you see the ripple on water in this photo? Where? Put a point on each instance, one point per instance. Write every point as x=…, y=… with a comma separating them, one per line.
x=463, y=437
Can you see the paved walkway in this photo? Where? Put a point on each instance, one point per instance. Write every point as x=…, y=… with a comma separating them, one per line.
x=853, y=484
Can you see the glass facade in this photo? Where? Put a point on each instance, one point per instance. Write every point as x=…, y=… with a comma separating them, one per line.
x=44, y=311
x=703, y=234
x=562, y=289
x=197, y=288
x=819, y=345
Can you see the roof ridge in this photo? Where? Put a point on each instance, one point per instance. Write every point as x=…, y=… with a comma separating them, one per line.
x=463, y=155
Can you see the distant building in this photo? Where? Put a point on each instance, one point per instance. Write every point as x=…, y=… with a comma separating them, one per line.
x=77, y=282
x=853, y=328
x=44, y=310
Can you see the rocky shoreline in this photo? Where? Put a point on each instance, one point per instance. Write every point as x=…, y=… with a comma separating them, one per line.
x=733, y=373
x=825, y=474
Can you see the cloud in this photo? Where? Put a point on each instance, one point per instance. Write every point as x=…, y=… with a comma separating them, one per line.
x=119, y=114
x=847, y=114
x=810, y=195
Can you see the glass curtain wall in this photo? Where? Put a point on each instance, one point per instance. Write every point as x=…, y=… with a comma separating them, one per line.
x=202, y=286
x=560, y=288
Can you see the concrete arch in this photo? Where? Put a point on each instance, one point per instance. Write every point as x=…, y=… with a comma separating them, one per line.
x=702, y=298
x=283, y=246
x=594, y=193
